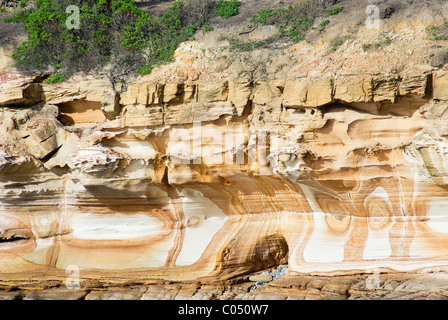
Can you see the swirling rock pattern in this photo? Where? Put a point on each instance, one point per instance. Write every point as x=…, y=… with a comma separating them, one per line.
x=211, y=181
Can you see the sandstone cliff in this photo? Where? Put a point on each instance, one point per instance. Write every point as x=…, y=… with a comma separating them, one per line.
x=330, y=160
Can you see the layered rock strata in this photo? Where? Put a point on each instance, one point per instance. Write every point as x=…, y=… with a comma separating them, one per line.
x=332, y=162
x=398, y=286
x=214, y=180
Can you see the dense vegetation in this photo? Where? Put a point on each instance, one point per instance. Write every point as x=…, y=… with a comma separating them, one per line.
x=293, y=22
x=115, y=37
x=227, y=9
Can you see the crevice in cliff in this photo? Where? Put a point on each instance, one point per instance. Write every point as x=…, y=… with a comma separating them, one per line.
x=165, y=179
x=404, y=106
x=80, y=113
x=12, y=238
x=50, y=155
x=429, y=86
x=247, y=110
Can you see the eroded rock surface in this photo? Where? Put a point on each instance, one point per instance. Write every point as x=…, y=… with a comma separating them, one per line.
x=200, y=172
x=376, y=286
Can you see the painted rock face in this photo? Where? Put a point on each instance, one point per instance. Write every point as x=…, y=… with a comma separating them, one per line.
x=221, y=229
x=190, y=188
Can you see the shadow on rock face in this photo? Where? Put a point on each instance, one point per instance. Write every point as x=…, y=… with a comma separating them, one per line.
x=269, y=252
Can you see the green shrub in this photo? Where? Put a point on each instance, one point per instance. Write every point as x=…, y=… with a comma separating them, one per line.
x=146, y=69
x=295, y=21
x=208, y=28
x=19, y=17
x=336, y=43
x=244, y=46
x=438, y=32
x=23, y=3
x=334, y=11
x=324, y=23
x=292, y=22
x=56, y=78
x=384, y=41
x=227, y=9
x=264, y=16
